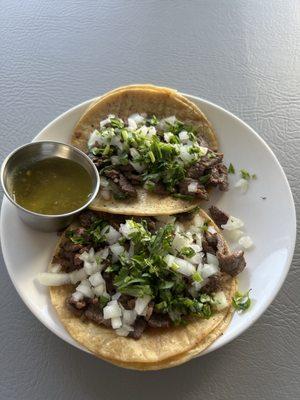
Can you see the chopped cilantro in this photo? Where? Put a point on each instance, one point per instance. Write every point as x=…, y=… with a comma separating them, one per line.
x=103, y=300
x=153, y=121
x=197, y=277
x=241, y=301
x=204, y=179
x=183, y=196
x=254, y=176
x=205, y=226
x=187, y=251
x=231, y=169
x=116, y=123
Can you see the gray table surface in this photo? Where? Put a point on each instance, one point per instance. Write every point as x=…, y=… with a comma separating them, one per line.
x=242, y=55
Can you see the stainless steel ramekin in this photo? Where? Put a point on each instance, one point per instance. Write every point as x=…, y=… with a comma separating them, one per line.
x=38, y=151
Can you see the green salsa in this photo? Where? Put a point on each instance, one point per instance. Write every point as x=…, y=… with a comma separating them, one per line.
x=51, y=186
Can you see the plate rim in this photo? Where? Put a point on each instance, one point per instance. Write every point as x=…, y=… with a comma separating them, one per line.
x=217, y=344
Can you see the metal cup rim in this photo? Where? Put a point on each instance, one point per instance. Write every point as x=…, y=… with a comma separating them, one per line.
x=49, y=216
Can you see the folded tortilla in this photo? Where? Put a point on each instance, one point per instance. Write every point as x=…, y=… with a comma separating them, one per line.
x=157, y=348
x=150, y=99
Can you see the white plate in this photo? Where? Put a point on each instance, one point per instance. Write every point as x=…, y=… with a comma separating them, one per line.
x=271, y=223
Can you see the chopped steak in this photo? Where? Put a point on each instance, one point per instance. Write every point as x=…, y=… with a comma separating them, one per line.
x=76, y=307
x=185, y=216
x=219, y=216
x=123, y=184
x=109, y=279
x=134, y=179
x=210, y=242
x=128, y=302
x=197, y=170
x=219, y=177
x=86, y=218
x=149, y=311
x=159, y=189
x=232, y=263
x=159, y=321
x=95, y=314
x=201, y=192
x=213, y=285
x=139, y=327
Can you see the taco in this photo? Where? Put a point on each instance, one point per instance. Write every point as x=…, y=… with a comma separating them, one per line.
x=143, y=293
x=155, y=150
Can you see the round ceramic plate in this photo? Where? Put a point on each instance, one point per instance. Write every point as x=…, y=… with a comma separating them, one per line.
x=267, y=210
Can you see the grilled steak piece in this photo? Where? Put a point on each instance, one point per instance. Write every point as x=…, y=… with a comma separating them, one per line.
x=219, y=216
x=123, y=184
x=139, y=327
x=219, y=177
x=159, y=321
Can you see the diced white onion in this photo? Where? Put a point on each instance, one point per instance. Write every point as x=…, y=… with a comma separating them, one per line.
x=211, y=229
x=77, y=296
x=137, y=118
x=208, y=270
x=129, y=316
x=243, y=184
x=117, y=249
x=220, y=301
x=96, y=279
x=137, y=166
x=112, y=235
x=116, y=296
x=246, y=242
x=116, y=323
x=233, y=223
x=52, y=279
x=100, y=290
x=112, y=310
x=141, y=304
x=54, y=268
x=212, y=259
x=85, y=289
x=192, y=187
x=184, y=136
x=77, y=275
x=184, y=267
x=132, y=125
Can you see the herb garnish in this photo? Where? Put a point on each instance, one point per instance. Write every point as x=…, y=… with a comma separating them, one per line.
x=246, y=175
x=231, y=169
x=241, y=301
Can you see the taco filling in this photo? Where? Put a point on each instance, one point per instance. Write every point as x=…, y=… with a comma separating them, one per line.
x=133, y=274
x=163, y=156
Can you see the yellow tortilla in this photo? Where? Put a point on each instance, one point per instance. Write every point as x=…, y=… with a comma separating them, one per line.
x=150, y=99
x=157, y=348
